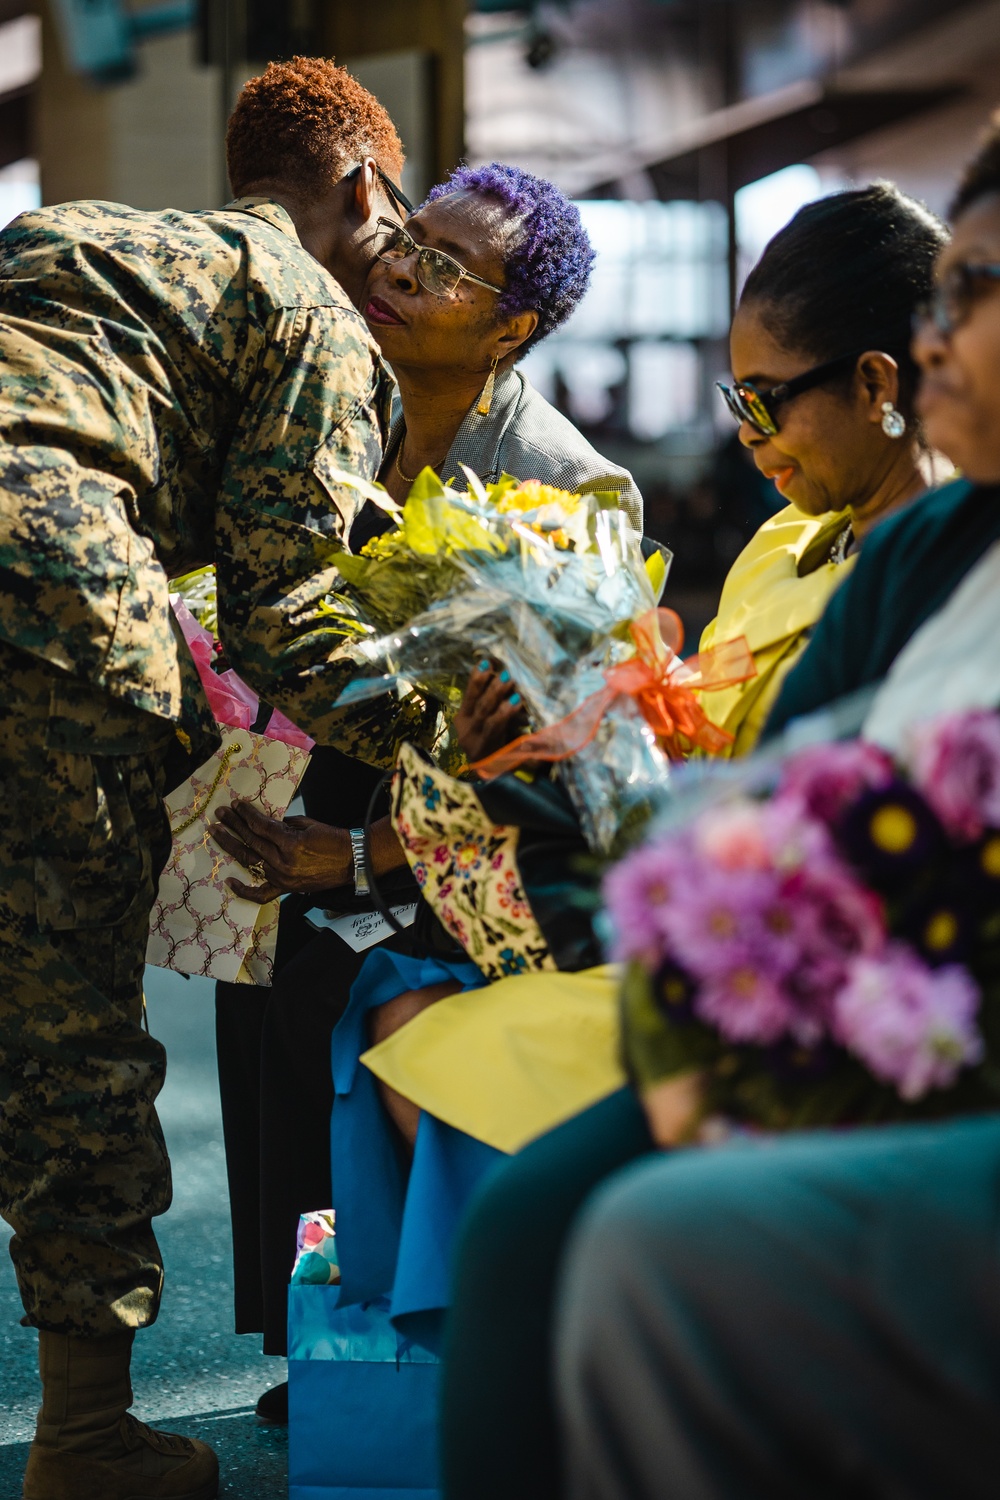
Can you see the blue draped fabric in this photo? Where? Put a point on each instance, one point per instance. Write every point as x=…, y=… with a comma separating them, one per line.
x=396, y=1227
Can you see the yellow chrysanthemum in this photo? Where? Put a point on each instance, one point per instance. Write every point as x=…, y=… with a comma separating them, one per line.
x=941, y=931
x=893, y=829
x=532, y=495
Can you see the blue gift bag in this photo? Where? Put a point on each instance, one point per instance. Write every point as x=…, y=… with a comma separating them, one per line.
x=362, y=1403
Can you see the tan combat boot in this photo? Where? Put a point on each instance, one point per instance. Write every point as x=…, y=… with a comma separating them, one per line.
x=86, y=1445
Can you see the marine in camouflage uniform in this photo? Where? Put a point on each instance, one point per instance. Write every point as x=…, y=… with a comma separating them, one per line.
x=177, y=389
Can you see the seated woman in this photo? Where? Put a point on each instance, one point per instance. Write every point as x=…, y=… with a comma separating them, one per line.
x=824, y=397
x=888, y=626
x=493, y=263
x=911, y=635
x=830, y=453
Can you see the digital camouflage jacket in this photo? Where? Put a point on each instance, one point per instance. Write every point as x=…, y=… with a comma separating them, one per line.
x=179, y=389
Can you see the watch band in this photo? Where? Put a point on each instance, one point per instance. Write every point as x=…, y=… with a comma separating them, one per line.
x=361, y=886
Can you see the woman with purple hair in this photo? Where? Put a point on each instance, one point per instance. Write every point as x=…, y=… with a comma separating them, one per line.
x=489, y=265
x=492, y=263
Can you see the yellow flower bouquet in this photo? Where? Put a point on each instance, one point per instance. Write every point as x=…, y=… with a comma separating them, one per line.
x=545, y=583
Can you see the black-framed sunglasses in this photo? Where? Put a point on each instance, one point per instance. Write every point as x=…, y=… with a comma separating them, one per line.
x=951, y=302
x=397, y=195
x=748, y=404
x=439, y=273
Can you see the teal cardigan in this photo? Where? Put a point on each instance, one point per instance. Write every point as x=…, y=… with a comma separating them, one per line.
x=908, y=568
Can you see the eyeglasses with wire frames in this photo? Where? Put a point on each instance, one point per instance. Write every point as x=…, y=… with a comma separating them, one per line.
x=952, y=301
x=439, y=273
x=397, y=195
x=758, y=408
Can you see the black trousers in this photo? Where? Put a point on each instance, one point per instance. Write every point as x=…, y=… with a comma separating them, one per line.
x=274, y=1064
x=277, y=1096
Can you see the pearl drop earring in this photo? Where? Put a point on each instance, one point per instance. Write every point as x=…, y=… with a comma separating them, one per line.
x=893, y=421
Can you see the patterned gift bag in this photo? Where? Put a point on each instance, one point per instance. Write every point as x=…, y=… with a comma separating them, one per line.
x=198, y=925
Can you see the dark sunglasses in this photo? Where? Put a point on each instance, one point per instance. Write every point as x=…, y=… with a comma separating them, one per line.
x=439, y=273
x=951, y=302
x=748, y=404
x=397, y=195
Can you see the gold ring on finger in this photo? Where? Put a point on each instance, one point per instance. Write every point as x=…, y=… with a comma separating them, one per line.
x=257, y=872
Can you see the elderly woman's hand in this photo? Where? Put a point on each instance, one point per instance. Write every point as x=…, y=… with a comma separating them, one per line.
x=491, y=714
x=294, y=854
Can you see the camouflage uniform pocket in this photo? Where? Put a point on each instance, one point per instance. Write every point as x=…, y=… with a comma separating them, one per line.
x=354, y=447
x=99, y=830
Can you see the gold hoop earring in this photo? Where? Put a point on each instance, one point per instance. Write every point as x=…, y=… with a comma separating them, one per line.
x=486, y=399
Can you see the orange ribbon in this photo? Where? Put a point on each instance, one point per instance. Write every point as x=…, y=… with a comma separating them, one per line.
x=661, y=686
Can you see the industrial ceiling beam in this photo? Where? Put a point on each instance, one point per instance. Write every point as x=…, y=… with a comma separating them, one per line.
x=760, y=136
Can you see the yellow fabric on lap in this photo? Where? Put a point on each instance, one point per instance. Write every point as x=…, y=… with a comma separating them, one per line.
x=773, y=595
x=511, y=1061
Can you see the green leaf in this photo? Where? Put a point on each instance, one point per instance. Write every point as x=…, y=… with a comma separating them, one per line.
x=377, y=493
x=655, y=1048
x=426, y=485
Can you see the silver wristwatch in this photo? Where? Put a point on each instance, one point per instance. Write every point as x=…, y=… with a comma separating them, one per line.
x=361, y=886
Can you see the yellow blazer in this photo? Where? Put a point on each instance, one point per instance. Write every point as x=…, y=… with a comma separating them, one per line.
x=774, y=593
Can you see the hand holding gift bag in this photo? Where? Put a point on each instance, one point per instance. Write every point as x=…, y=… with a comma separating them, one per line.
x=198, y=925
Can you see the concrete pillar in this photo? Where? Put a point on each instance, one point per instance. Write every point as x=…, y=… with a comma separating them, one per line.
x=427, y=38
x=153, y=142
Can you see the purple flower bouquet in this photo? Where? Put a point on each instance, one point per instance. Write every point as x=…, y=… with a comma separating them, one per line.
x=829, y=953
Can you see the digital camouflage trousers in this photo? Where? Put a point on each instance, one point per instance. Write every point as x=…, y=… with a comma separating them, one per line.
x=83, y=836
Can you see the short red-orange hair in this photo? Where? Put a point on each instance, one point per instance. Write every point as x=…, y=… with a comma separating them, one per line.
x=304, y=123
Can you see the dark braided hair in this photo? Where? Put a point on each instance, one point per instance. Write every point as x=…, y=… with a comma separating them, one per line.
x=847, y=273
x=982, y=175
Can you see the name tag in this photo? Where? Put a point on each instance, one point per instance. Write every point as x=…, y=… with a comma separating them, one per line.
x=363, y=929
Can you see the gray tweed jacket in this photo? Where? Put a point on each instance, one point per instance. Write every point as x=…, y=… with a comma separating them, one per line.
x=525, y=436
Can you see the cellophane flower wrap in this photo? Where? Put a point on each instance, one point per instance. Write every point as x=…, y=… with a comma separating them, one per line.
x=544, y=583
x=828, y=952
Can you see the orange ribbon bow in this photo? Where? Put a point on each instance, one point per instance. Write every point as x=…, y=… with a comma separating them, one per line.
x=661, y=685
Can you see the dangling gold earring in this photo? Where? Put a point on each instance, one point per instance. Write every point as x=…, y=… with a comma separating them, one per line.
x=486, y=399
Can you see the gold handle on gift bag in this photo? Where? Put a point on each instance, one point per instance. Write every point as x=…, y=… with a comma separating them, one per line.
x=234, y=749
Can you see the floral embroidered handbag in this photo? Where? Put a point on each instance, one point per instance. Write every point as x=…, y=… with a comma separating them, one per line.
x=498, y=863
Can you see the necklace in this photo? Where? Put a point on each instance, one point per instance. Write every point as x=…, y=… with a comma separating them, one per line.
x=408, y=478
x=841, y=542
